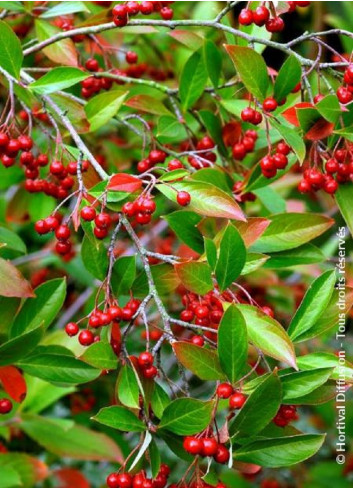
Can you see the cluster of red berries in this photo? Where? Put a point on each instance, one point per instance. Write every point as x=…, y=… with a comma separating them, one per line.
x=285, y=415
x=62, y=233
x=261, y=16
x=206, y=157
x=206, y=446
x=240, y=195
x=245, y=145
x=5, y=405
x=345, y=92
x=102, y=221
x=67, y=24
x=236, y=398
x=202, y=311
x=278, y=161
x=99, y=318
x=251, y=115
x=155, y=157
x=141, y=209
x=122, y=12
x=82, y=401
x=337, y=170
x=124, y=479
x=145, y=361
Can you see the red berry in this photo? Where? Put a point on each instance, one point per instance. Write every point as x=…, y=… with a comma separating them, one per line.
x=13, y=147
x=175, y=165
x=41, y=227
x=222, y=454
x=280, y=160
x=330, y=186
x=239, y=151
x=261, y=15
x=26, y=142
x=237, y=400
x=331, y=166
x=124, y=480
x=150, y=372
x=131, y=57
x=187, y=315
x=51, y=222
x=344, y=95
x=4, y=139
x=133, y=8
x=247, y=114
x=147, y=205
x=112, y=480
x=275, y=25
x=245, y=17
x=7, y=161
x=56, y=168
x=315, y=177
x=120, y=11
x=63, y=232
x=209, y=447
x=183, y=198
x=283, y=148
x=267, y=163
x=197, y=340
x=120, y=21
x=224, y=390
x=146, y=8
x=103, y=220
x=72, y=329
x=92, y=64
x=145, y=359
x=63, y=247
x=304, y=186
x=129, y=208
x=257, y=118
x=5, y=406
x=157, y=156
x=166, y=13
x=269, y=104
x=192, y=445
x=100, y=233
x=86, y=337
x=88, y=213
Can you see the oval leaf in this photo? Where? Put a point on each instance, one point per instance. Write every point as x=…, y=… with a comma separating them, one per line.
x=202, y=362
x=186, y=416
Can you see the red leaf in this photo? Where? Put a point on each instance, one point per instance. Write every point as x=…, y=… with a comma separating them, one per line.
x=252, y=229
x=124, y=182
x=291, y=114
x=320, y=130
x=71, y=478
x=13, y=383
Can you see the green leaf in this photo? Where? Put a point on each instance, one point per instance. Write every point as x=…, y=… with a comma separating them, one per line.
x=206, y=199
x=12, y=282
x=213, y=126
x=24, y=465
x=61, y=52
x=233, y=344
x=103, y=107
x=231, y=259
x=100, y=355
x=329, y=107
x=251, y=68
x=300, y=384
x=322, y=360
x=280, y=452
x=16, y=348
x=11, y=56
x=186, y=416
x=147, y=103
x=253, y=262
x=313, y=304
x=9, y=307
x=193, y=80
x=41, y=395
x=184, y=223
x=291, y=137
x=159, y=400
x=124, y=274
x=41, y=310
x=9, y=477
x=73, y=441
x=95, y=257
x=127, y=387
x=195, y=276
x=211, y=252
x=165, y=279
x=120, y=418
x=213, y=61
x=155, y=458
x=288, y=77
x=303, y=255
x=58, y=79
x=200, y=361
x=344, y=199
x=64, y=8
x=57, y=365
x=251, y=419
x=268, y=335
x=13, y=244
x=290, y=230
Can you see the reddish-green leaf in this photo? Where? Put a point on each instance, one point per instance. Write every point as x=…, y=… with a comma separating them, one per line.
x=123, y=182
x=195, y=276
x=61, y=52
x=231, y=259
x=13, y=383
x=202, y=362
x=12, y=283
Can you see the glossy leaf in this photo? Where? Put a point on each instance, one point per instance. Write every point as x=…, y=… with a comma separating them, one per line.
x=288, y=77
x=159, y=400
x=280, y=452
x=313, y=304
x=58, y=79
x=200, y=361
x=306, y=254
x=14, y=349
x=251, y=68
x=103, y=107
x=268, y=335
x=251, y=419
x=299, y=384
x=231, y=259
x=184, y=224
x=291, y=230
x=127, y=387
x=192, y=81
x=119, y=418
x=61, y=52
x=232, y=344
x=11, y=56
x=195, y=276
x=12, y=282
x=322, y=360
x=124, y=274
x=41, y=310
x=100, y=355
x=206, y=199
x=329, y=108
x=186, y=416
x=213, y=61
x=95, y=258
